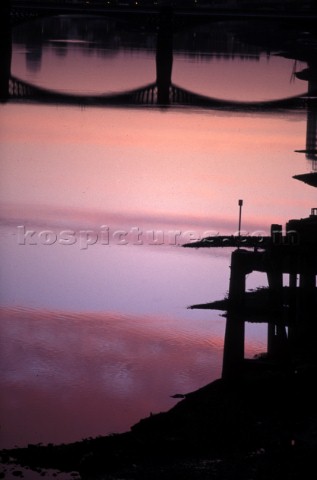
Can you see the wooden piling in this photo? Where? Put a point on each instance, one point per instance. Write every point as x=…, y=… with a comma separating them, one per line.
x=233, y=355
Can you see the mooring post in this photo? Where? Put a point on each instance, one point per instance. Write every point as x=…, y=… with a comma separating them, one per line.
x=233, y=353
x=306, y=323
x=240, y=203
x=276, y=333
x=292, y=300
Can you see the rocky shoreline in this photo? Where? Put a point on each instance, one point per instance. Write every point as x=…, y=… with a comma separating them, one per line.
x=261, y=426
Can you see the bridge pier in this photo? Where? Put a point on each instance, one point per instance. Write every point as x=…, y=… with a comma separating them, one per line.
x=164, y=56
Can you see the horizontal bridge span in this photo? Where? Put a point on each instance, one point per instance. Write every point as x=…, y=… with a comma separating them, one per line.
x=146, y=95
x=182, y=96
x=18, y=89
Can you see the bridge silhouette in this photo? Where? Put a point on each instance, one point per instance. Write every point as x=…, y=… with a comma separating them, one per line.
x=162, y=92
x=146, y=95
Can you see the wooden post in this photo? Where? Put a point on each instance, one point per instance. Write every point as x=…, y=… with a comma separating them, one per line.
x=233, y=353
x=276, y=333
x=307, y=326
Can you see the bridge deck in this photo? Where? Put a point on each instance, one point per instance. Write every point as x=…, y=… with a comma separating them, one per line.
x=148, y=95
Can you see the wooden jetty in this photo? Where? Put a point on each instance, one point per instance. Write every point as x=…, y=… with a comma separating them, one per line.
x=308, y=178
x=290, y=309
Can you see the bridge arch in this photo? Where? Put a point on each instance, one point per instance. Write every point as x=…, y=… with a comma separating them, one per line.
x=146, y=95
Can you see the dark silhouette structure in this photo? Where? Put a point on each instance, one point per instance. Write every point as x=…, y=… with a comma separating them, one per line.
x=310, y=74
x=289, y=310
x=292, y=330
x=164, y=56
x=5, y=49
x=162, y=92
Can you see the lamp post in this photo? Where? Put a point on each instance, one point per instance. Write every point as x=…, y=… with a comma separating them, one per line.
x=240, y=203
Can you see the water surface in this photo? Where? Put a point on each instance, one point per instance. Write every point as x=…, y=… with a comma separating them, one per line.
x=95, y=331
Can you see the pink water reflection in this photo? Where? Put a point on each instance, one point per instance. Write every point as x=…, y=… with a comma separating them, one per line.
x=208, y=59
x=66, y=376
x=72, y=368
x=148, y=163
x=253, y=79
x=116, y=73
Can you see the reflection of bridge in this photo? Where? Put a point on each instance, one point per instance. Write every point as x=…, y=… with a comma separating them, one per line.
x=146, y=95
x=162, y=92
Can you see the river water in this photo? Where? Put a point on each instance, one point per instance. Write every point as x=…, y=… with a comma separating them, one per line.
x=96, y=203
